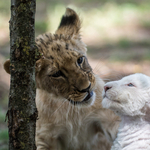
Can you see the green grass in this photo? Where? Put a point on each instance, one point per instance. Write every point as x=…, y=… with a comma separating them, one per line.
x=41, y=26
x=4, y=135
x=136, y=56
x=124, y=43
x=147, y=56
x=3, y=131
x=4, y=140
x=128, y=43
x=2, y=115
x=145, y=24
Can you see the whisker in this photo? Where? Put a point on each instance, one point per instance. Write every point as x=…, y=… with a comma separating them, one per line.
x=58, y=108
x=69, y=107
x=100, y=61
x=106, y=79
x=97, y=66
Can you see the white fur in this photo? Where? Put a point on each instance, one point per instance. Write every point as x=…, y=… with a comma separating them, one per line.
x=132, y=104
x=93, y=99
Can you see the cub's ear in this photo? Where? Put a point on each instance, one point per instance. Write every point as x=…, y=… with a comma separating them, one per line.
x=37, y=67
x=70, y=23
x=7, y=66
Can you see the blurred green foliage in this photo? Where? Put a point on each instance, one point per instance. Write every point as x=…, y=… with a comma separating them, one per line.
x=4, y=140
x=5, y=7
x=2, y=117
x=3, y=131
x=41, y=26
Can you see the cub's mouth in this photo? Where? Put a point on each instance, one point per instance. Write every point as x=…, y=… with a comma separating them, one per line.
x=86, y=100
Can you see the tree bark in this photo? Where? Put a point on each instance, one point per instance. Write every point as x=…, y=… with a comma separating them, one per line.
x=22, y=112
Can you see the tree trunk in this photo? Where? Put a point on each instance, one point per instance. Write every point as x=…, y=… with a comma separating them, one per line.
x=22, y=112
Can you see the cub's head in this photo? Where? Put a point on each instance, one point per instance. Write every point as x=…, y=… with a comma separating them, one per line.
x=129, y=96
x=63, y=69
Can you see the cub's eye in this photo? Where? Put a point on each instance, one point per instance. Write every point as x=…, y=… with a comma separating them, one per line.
x=80, y=60
x=130, y=84
x=57, y=74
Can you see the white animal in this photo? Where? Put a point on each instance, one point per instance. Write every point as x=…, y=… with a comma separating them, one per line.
x=130, y=99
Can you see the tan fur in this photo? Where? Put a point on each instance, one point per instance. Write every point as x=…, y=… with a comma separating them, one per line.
x=64, y=126
x=66, y=120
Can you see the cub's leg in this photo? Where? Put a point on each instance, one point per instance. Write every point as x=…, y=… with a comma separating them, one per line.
x=47, y=139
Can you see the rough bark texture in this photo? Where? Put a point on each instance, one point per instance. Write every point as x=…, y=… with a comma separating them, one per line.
x=22, y=112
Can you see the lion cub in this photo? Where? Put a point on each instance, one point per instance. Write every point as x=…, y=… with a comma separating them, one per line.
x=130, y=99
x=69, y=94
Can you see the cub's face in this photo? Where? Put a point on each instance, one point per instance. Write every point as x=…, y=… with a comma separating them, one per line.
x=129, y=96
x=64, y=69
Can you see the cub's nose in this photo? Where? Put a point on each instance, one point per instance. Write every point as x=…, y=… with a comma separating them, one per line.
x=106, y=87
